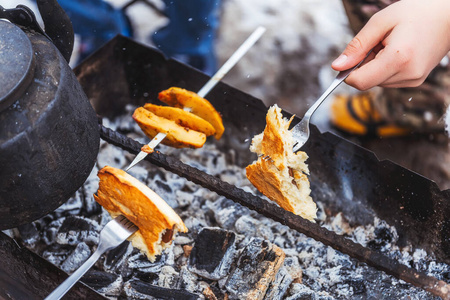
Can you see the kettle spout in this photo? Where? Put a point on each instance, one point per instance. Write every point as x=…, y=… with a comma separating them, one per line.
x=57, y=26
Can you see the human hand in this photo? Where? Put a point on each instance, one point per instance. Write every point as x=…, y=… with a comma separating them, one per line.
x=409, y=38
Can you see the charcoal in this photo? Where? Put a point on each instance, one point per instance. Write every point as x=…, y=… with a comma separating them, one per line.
x=226, y=212
x=139, y=172
x=195, y=225
x=75, y=224
x=250, y=226
x=184, y=198
x=56, y=256
x=99, y=279
x=187, y=280
x=382, y=237
x=163, y=187
x=197, y=165
x=76, y=258
x=182, y=240
x=327, y=273
x=231, y=176
x=110, y=156
x=168, y=277
x=247, y=225
x=116, y=257
x=279, y=286
x=72, y=206
x=358, y=286
x=166, y=191
x=77, y=229
x=181, y=254
x=446, y=276
x=213, y=253
x=207, y=291
x=90, y=206
x=255, y=269
x=292, y=265
x=28, y=233
x=302, y=292
x=135, y=289
x=151, y=278
x=140, y=262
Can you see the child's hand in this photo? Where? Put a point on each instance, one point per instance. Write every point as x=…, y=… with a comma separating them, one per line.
x=409, y=37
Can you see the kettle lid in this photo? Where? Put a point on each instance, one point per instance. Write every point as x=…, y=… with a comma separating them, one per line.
x=17, y=61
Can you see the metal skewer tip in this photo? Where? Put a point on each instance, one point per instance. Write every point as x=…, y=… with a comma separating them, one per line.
x=141, y=155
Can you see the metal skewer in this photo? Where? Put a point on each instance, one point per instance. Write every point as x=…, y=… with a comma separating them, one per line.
x=237, y=55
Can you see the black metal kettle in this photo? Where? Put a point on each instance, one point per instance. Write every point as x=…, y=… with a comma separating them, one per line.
x=49, y=137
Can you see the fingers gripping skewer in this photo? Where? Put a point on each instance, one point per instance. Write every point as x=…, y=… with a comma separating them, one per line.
x=237, y=55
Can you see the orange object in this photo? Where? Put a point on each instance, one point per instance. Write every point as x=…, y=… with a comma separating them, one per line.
x=177, y=136
x=283, y=176
x=181, y=98
x=357, y=115
x=147, y=149
x=182, y=118
x=122, y=194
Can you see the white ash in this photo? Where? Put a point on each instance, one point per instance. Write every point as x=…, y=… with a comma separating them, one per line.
x=189, y=280
x=311, y=269
x=113, y=290
x=76, y=258
x=121, y=262
x=167, y=277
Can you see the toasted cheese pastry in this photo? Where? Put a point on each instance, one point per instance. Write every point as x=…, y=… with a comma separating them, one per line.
x=178, y=97
x=182, y=118
x=177, y=136
x=121, y=193
x=283, y=177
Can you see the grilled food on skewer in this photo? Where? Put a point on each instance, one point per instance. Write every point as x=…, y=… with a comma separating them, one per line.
x=182, y=118
x=177, y=136
x=181, y=98
x=186, y=127
x=122, y=194
x=280, y=174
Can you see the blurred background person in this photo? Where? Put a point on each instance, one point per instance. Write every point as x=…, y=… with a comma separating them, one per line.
x=190, y=33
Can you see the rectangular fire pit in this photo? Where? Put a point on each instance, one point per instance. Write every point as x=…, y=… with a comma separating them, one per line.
x=392, y=223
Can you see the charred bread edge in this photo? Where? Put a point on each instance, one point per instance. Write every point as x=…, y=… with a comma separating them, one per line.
x=274, y=212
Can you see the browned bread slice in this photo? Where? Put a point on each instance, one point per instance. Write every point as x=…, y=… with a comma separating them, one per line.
x=177, y=136
x=121, y=193
x=284, y=178
x=182, y=118
x=178, y=97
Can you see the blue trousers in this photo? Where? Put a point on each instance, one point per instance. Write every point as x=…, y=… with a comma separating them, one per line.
x=190, y=33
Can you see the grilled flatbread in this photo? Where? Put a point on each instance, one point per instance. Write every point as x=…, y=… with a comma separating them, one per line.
x=181, y=98
x=121, y=193
x=283, y=177
x=177, y=136
x=182, y=118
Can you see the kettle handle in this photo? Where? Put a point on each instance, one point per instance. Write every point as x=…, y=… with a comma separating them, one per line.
x=58, y=27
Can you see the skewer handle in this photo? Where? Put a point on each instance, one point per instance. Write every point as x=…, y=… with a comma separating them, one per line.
x=237, y=55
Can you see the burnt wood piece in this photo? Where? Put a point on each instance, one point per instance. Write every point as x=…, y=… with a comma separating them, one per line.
x=137, y=289
x=255, y=270
x=26, y=275
x=213, y=253
x=276, y=213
